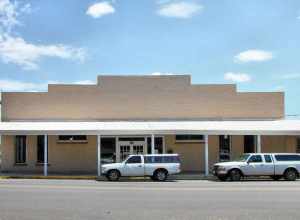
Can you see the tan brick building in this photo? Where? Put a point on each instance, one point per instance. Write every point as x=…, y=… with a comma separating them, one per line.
x=75, y=128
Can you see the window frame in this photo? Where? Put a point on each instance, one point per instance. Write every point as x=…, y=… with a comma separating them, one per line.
x=268, y=155
x=133, y=157
x=278, y=159
x=72, y=140
x=18, y=158
x=248, y=161
x=189, y=140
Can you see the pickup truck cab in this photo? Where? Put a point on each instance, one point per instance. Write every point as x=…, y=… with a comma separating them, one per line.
x=275, y=165
x=156, y=166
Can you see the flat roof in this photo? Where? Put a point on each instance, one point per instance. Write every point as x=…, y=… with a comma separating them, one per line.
x=274, y=127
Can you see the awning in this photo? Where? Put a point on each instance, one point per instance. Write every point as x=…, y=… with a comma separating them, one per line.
x=274, y=127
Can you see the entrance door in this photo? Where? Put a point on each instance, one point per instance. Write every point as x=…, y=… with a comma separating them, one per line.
x=124, y=151
x=130, y=146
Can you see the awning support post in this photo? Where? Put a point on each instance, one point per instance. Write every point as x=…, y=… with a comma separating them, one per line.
x=45, y=155
x=258, y=143
x=152, y=144
x=206, y=155
x=98, y=155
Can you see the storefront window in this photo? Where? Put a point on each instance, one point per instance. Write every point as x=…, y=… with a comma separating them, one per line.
x=20, y=149
x=224, y=147
x=108, y=150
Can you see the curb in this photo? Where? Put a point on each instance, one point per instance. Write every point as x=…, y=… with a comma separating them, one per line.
x=102, y=178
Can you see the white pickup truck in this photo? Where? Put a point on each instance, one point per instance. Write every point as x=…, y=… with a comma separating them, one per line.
x=156, y=166
x=275, y=165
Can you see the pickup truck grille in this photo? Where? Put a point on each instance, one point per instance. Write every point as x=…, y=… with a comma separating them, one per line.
x=215, y=168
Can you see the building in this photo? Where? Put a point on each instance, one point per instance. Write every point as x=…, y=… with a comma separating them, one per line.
x=72, y=129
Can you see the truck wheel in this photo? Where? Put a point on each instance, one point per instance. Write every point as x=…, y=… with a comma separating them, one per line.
x=235, y=175
x=113, y=175
x=222, y=178
x=160, y=175
x=290, y=175
x=276, y=177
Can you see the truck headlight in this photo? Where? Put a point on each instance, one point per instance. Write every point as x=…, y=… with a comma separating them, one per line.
x=220, y=168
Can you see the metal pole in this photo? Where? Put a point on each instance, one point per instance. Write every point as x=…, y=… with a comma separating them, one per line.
x=152, y=144
x=45, y=155
x=206, y=155
x=258, y=143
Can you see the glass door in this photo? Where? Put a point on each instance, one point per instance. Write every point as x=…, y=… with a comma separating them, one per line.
x=127, y=146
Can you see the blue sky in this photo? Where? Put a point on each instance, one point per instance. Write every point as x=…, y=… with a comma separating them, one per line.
x=252, y=43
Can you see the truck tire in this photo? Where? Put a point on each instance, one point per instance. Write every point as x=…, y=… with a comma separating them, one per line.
x=290, y=174
x=113, y=175
x=222, y=177
x=235, y=175
x=276, y=177
x=160, y=175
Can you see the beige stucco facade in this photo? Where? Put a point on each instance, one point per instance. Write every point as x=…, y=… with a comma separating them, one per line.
x=141, y=98
x=136, y=98
x=80, y=158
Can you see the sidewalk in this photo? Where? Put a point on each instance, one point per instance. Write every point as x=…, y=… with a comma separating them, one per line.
x=183, y=176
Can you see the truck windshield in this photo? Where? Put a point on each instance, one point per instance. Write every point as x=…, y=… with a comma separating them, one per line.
x=243, y=158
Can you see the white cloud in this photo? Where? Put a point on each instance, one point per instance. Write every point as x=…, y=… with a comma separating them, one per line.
x=179, y=9
x=290, y=76
x=253, y=56
x=18, y=51
x=10, y=12
x=19, y=86
x=8, y=15
x=85, y=82
x=161, y=74
x=100, y=9
x=279, y=88
x=12, y=85
x=298, y=17
x=237, y=77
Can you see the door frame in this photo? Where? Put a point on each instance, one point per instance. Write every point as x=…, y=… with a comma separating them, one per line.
x=130, y=136
x=131, y=144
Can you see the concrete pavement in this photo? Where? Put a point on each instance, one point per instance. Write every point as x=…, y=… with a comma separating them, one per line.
x=87, y=199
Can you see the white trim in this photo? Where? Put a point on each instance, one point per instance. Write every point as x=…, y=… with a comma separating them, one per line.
x=258, y=143
x=206, y=155
x=152, y=144
x=276, y=127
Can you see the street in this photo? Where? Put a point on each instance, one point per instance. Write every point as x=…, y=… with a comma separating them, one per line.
x=199, y=199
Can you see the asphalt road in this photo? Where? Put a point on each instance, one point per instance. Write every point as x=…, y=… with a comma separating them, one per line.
x=82, y=199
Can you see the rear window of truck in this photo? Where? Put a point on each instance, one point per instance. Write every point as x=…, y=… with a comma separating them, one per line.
x=162, y=159
x=288, y=157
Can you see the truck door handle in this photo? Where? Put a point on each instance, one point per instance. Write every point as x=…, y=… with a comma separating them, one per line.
x=139, y=165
